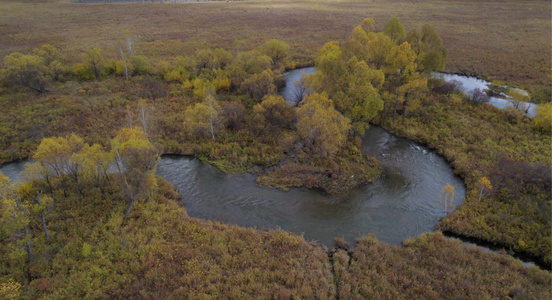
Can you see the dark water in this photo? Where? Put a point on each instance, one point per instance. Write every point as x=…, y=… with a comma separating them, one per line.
x=290, y=91
x=403, y=203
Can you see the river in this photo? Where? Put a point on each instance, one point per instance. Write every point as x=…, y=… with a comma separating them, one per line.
x=403, y=203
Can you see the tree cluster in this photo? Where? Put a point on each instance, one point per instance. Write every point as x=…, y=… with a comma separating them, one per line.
x=375, y=71
x=64, y=166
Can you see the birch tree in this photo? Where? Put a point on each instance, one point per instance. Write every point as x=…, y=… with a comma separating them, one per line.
x=14, y=216
x=484, y=186
x=126, y=52
x=447, y=197
x=136, y=162
x=204, y=119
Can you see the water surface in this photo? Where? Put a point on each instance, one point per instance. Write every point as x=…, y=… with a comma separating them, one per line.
x=403, y=203
x=468, y=84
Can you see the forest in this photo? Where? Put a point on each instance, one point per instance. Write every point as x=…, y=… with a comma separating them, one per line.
x=91, y=219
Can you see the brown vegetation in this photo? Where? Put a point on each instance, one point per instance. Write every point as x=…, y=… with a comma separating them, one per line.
x=157, y=251
x=480, y=141
x=497, y=40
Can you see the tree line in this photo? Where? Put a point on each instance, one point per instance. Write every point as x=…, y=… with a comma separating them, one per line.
x=64, y=166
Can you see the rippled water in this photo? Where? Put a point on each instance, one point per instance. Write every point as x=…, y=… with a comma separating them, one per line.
x=403, y=203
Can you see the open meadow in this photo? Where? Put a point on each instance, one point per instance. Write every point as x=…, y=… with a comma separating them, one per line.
x=497, y=40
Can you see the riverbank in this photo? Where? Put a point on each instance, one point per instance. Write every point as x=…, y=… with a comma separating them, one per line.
x=502, y=146
x=159, y=251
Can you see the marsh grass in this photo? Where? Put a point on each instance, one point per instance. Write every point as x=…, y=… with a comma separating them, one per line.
x=504, y=40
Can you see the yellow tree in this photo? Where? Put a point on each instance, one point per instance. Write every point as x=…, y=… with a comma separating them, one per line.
x=259, y=85
x=14, y=215
x=55, y=155
x=272, y=114
x=246, y=64
x=136, y=161
x=543, y=120
x=51, y=60
x=367, y=45
x=351, y=84
x=320, y=125
x=203, y=119
x=94, y=64
x=401, y=75
x=10, y=290
x=277, y=50
x=483, y=185
x=39, y=203
x=26, y=70
x=94, y=163
x=447, y=197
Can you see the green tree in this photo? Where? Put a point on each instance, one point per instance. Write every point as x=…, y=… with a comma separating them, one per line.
x=429, y=48
x=351, y=84
x=277, y=50
x=395, y=30
x=320, y=125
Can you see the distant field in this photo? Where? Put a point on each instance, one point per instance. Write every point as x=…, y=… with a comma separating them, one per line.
x=505, y=40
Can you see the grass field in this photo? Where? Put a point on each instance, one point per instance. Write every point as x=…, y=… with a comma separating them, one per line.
x=497, y=40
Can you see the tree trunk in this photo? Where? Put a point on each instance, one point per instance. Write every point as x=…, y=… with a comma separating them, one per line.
x=395, y=110
x=39, y=202
x=129, y=208
x=29, y=246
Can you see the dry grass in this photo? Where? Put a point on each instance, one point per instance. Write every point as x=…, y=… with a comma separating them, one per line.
x=504, y=40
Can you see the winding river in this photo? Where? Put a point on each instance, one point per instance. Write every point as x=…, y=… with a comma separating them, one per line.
x=403, y=203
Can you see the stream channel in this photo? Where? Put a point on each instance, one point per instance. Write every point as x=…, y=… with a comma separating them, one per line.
x=403, y=203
